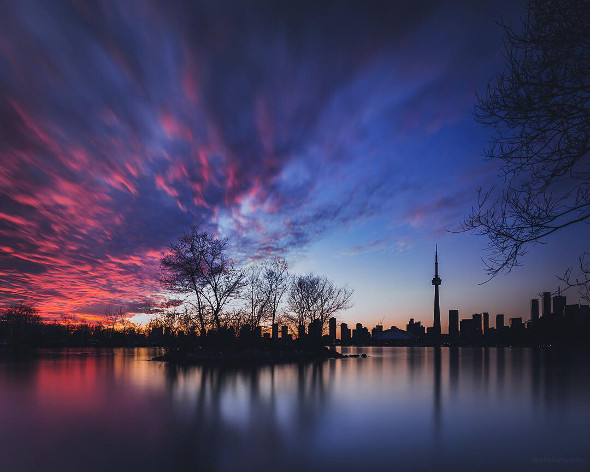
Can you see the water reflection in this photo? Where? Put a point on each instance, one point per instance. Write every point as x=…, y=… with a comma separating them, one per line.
x=408, y=408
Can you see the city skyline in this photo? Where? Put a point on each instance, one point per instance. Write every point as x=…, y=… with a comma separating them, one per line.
x=544, y=305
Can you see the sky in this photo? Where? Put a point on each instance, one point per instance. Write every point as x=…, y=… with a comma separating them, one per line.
x=339, y=135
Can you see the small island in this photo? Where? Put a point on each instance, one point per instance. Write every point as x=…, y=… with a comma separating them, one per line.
x=246, y=356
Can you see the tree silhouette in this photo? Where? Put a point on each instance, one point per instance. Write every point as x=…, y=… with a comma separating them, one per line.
x=539, y=109
x=257, y=298
x=198, y=263
x=316, y=298
x=275, y=283
x=20, y=323
x=265, y=286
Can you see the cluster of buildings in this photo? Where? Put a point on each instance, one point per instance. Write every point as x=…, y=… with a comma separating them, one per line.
x=552, y=321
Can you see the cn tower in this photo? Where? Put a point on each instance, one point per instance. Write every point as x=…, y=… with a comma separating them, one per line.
x=436, y=281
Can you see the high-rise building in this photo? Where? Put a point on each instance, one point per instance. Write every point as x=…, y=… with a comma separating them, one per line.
x=415, y=327
x=454, y=323
x=486, y=322
x=332, y=329
x=301, y=331
x=344, y=334
x=360, y=335
x=477, y=323
x=466, y=328
x=314, y=329
x=436, y=281
x=275, y=331
x=534, y=309
x=559, y=303
x=546, y=296
x=471, y=329
x=499, y=321
x=284, y=332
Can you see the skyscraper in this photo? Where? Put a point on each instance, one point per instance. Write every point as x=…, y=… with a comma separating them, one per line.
x=546, y=303
x=534, y=309
x=500, y=321
x=436, y=281
x=344, y=334
x=486, y=322
x=332, y=329
x=477, y=323
x=454, y=323
x=559, y=303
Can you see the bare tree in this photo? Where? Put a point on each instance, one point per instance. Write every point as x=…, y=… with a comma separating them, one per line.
x=581, y=279
x=257, y=298
x=316, y=298
x=275, y=282
x=182, y=270
x=198, y=264
x=539, y=109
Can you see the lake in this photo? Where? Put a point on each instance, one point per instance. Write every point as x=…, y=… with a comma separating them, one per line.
x=399, y=409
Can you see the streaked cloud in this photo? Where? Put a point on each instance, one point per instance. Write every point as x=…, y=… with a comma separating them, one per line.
x=123, y=123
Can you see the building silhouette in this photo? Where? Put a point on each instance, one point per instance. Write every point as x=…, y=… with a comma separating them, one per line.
x=301, y=331
x=332, y=329
x=477, y=323
x=361, y=335
x=546, y=297
x=471, y=329
x=436, y=281
x=284, y=332
x=577, y=316
x=534, y=309
x=377, y=329
x=559, y=303
x=314, y=329
x=344, y=334
x=499, y=322
x=486, y=322
x=416, y=328
x=454, y=324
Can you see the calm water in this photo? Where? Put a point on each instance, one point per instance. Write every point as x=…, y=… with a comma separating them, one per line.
x=399, y=409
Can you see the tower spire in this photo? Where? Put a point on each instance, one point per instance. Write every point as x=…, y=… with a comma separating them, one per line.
x=436, y=260
x=436, y=281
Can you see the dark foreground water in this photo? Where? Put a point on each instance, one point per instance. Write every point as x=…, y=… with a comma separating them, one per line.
x=400, y=409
